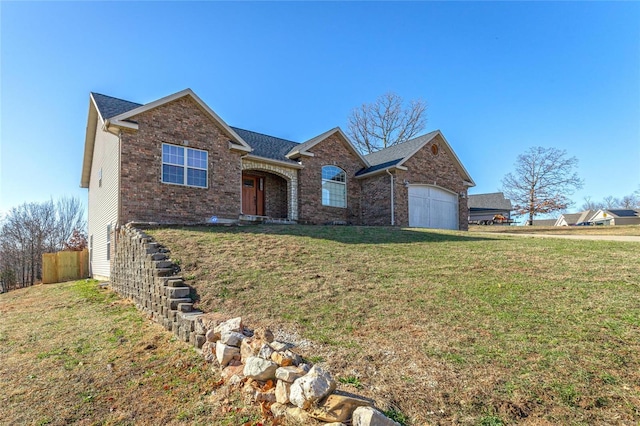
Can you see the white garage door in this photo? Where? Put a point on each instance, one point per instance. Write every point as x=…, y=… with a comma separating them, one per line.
x=432, y=207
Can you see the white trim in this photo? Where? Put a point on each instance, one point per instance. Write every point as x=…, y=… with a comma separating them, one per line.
x=379, y=171
x=272, y=161
x=185, y=166
x=316, y=140
x=323, y=180
x=119, y=120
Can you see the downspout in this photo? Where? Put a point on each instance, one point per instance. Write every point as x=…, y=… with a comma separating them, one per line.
x=393, y=218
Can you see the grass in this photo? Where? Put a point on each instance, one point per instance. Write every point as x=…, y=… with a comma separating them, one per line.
x=442, y=327
x=73, y=353
x=630, y=230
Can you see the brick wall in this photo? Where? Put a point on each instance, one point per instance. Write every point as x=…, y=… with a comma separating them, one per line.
x=376, y=204
x=429, y=169
x=143, y=195
x=331, y=151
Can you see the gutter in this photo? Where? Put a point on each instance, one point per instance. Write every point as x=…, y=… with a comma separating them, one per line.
x=393, y=218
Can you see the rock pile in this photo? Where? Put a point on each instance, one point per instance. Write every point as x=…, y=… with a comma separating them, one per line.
x=272, y=373
x=268, y=371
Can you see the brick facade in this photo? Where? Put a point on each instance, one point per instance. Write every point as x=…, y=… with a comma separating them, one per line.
x=376, y=200
x=331, y=151
x=429, y=169
x=144, y=198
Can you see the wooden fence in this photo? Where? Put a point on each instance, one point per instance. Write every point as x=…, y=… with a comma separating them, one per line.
x=65, y=266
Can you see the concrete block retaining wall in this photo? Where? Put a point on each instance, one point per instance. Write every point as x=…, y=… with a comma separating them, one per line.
x=269, y=371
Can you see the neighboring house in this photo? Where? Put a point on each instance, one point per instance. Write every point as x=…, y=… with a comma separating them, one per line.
x=542, y=222
x=486, y=206
x=175, y=160
x=570, y=219
x=616, y=217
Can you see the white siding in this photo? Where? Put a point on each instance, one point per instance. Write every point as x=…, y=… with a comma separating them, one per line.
x=103, y=200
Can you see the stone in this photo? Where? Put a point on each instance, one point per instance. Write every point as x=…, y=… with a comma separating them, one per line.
x=281, y=359
x=232, y=370
x=248, y=348
x=278, y=410
x=209, y=352
x=289, y=374
x=282, y=392
x=265, y=351
x=279, y=346
x=304, y=367
x=231, y=338
x=266, y=396
x=263, y=334
x=369, y=416
x=234, y=324
x=297, y=359
x=338, y=408
x=334, y=424
x=260, y=369
x=224, y=353
x=311, y=387
x=211, y=335
x=296, y=414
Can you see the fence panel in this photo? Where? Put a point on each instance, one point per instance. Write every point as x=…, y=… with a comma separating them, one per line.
x=65, y=266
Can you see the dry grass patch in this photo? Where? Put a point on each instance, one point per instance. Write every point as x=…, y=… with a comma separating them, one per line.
x=76, y=354
x=439, y=327
x=631, y=230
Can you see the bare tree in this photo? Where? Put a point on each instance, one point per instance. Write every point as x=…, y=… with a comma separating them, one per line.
x=542, y=181
x=386, y=122
x=31, y=229
x=589, y=204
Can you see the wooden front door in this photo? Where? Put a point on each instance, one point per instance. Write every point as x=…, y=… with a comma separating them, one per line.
x=253, y=195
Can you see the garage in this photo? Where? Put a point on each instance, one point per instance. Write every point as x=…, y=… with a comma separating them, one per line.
x=432, y=207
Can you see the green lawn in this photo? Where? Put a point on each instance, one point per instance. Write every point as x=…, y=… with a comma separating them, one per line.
x=442, y=327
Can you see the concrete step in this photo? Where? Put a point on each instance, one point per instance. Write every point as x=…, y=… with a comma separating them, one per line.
x=185, y=307
x=177, y=292
x=173, y=303
x=163, y=272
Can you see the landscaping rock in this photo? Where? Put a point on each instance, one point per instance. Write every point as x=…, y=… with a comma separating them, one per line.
x=278, y=410
x=234, y=324
x=211, y=335
x=281, y=359
x=296, y=414
x=232, y=370
x=369, y=416
x=282, y=392
x=279, y=346
x=224, y=353
x=338, y=408
x=249, y=347
x=231, y=338
x=315, y=385
x=265, y=351
x=260, y=369
x=289, y=374
x=208, y=351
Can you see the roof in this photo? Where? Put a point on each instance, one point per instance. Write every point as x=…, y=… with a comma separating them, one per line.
x=396, y=155
x=493, y=201
x=544, y=222
x=624, y=212
x=108, y=106
x=303, y=148
x=573, y=218
x=267, y=146
x=399, y=152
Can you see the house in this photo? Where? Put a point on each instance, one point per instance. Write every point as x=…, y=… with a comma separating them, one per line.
x=484, y=207
x=542, y=222
x=616, y=217
x=174, y=160
x=570, y=219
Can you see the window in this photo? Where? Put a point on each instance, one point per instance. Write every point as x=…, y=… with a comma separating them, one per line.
x=334, y=187
x=109, y=242
x=174, y=170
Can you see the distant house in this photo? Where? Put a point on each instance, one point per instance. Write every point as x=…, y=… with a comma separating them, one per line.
x=543, y=222
x=616, y=217
x=570, y=219
x=174, y=160
x=486, y=206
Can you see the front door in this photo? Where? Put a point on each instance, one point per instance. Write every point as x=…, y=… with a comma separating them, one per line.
x=253, y=195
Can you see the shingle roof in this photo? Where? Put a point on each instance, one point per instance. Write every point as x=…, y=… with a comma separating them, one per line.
x=267, y=146
x=495, y=200
x=624, y=212
x=396, y=153
x=109, y=106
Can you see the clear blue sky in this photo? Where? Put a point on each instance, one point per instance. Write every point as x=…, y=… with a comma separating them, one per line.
x=498, y=77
